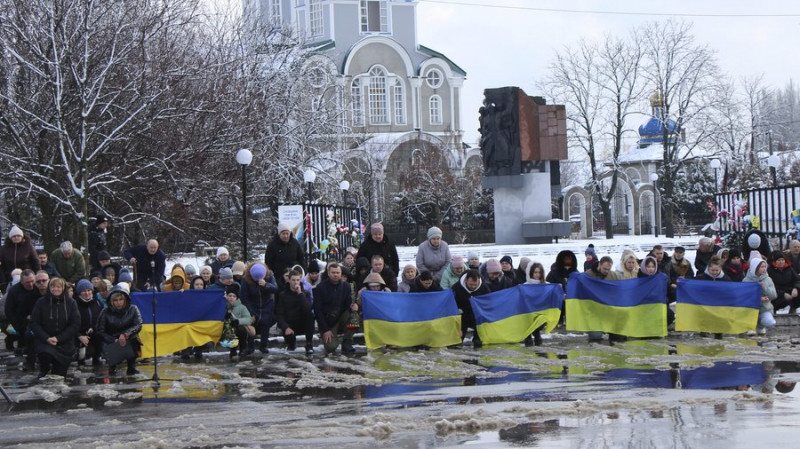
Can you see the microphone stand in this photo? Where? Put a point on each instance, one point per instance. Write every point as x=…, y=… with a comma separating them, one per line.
x=156, y=379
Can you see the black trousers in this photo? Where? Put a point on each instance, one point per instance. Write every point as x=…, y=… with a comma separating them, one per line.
x=48, y=364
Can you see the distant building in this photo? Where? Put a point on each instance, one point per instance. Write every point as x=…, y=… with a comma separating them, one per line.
x=400, y=97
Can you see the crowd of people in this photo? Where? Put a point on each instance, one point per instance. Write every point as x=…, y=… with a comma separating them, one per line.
x=55, y=314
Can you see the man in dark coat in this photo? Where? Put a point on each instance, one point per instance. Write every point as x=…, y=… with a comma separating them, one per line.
x=19, y=303
x=283, y=251
x=389, y=277
x=294, y=315
x=333, y=303
x=46, y=265
x=378, y=243
x=149, y=264
x=469, y=285
x=97, y=241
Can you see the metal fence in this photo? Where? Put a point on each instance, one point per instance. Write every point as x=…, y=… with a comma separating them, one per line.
x=773, y=207
x=324, y=222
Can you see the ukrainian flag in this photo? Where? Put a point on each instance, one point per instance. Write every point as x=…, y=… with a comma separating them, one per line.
x=633, y=307
x=410, y=319
x=510, y=315
x=183, y=319
x=718, y=307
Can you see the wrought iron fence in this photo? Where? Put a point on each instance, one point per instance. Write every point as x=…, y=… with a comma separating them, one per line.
x=770, y=207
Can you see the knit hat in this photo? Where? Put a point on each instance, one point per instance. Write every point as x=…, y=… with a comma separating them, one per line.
x=225, y=273
x=125, y=275
x=97, y=274
x=222, y=250
x=206, y=268
x=313, y=267
x=590, y=251
x=14, y=231
x=82, y=285
x=190, y=270
x=472, y=255
x=258, y=271
x=754, y=241
x=426, y=276
x=680, y=249
x=434, y=232
x=457, y=262
x=507, y=259
x=238, y=268
x=103, y=255
x=233, y=288
x=283, y=226
x=376, y=227
x=493, y=266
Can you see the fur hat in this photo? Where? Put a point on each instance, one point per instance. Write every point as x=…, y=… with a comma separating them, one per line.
x=222, y=250
x=434, y=232
x=14, y=231
x=457, y=262
x=493, y=266
x=238, y=268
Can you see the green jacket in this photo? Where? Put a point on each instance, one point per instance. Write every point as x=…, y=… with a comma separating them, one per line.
x=72, y=269
x=240, y=312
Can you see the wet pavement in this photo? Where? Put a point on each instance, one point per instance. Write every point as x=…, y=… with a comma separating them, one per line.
x=681, y=391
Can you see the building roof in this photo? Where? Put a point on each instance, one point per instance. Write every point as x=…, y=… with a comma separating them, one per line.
x=433, y=53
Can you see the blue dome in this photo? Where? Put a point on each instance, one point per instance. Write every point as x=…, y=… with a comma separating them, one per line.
x=653, y=131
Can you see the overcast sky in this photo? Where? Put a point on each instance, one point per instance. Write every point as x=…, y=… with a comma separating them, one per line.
x=512, y=42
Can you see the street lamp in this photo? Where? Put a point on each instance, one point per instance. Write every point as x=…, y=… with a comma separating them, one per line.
x=656, y=214
x=715, y=164
x=244, y=157
x=344, y=186
x=309, y=177
x=774, y=162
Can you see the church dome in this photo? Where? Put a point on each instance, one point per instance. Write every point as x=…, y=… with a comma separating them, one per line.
x=653, y=131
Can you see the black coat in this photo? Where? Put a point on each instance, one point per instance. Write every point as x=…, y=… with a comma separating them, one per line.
x=785, y=280
x=97, y=243
x=462, y=301
x=293, y=309
x=56, y=317
x=144, y=272
x=281, y=255
x=21, y=255
x=90, y=314
x=385, y=248
x=501, y=283
x=330, y=302
x=389, y=278
x=559, y=274
x=417, y=287
x=19, y=305
x=113, y=322
x=260, y=301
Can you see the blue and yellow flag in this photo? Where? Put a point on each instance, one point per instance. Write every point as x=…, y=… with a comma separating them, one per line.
x=718, y=307
x=510, y=315
x=411, y=319
x=633, y=307
x=183, y=319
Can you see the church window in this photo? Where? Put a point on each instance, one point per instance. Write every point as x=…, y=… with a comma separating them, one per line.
x=435, y=108
x=374, y=16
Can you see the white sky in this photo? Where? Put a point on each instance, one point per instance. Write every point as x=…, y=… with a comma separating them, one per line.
x=508, y=43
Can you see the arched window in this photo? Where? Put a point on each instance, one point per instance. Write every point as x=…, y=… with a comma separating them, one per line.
x=435, y=108
x=399, y=102
x=378, y=97
x=357, y=103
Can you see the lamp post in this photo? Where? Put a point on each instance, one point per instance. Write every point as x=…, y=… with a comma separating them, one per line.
x=244, y=157
x=715, y=164
x=344, y=186
x=656, y=214
x=774, y=162
x=309, y=177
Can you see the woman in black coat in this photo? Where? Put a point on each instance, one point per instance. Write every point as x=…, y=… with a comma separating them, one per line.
x=55, y=322
x=121, y=321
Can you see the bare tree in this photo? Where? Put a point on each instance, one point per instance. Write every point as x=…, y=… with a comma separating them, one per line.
x=600, y=85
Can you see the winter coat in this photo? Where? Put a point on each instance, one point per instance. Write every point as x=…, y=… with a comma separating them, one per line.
x=19, y=305
x=259, y=300
x=56, y=317
x=389, y=278
x=144, y=273
x=767, y=286
x=611, y=276
x=361, y=264
x=114, y=322
x=404, y=286
x=433, y=259
x=50, y=269
x=418, y=287
x=177, y=272
x=72, y=269
x=462, y=295
x=217, y=265
x=20, y=255
x=735, y=272
x=501, y=283
x=239, y=312
x=785, y=280
x=369, y=247
x=330, y=301
x=281, y=255
x=97, y=243
x=706, y=276
x=90, y=313
x=623, y=272
x=559, y=273
x=292, y=307
x=701, y=259
x=679, y=269
x=449, y=277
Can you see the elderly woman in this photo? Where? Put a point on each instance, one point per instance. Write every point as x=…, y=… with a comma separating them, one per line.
x=433, y=254
x=55, y=323
x=17, y=252
x=121, y=322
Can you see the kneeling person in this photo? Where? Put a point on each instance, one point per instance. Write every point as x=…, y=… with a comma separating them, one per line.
x=293, y=313
x=240, y=320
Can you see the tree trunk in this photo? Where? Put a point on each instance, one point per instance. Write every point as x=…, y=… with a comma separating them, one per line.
x=608, y=223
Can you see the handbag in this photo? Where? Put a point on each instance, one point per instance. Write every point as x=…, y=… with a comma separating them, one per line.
x=116, y=353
